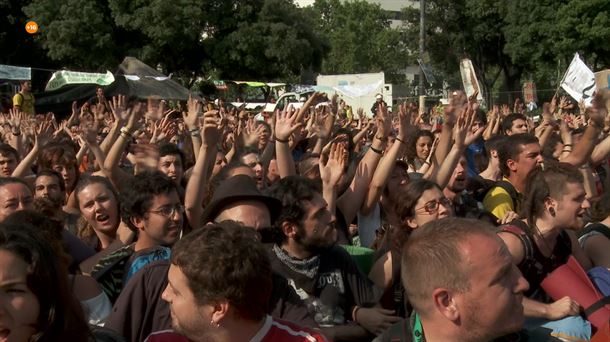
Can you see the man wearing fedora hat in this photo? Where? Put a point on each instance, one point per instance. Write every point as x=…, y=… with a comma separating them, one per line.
x=139, y=310
x=238, y=198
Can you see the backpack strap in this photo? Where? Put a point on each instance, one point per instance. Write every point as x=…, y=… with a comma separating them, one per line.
x=517, y=228
x=597, y=305
x=512, y=192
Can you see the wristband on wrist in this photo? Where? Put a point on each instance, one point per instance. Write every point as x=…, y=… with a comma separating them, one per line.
x=18, y=133
x=376, y=150
x=126, y=131
x=400, y=140
x=281, y=141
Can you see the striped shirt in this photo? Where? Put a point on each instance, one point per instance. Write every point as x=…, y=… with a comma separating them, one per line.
x=272, y=330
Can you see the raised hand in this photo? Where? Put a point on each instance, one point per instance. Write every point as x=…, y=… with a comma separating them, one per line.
x=43, y=133
x=332, y=170
x=134, y=114
x=285, y=124
x=14, y=120
x=455, y=107
x=88, y=134
x=118, y=108
x=191, y=116
x=462, y=126
x=211, y=132
x=251, y=133
x=146, y=156
x=405, y=115
x=383, y=121
x=163, y=129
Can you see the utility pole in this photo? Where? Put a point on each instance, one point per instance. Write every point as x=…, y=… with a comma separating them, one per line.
x=422, y=14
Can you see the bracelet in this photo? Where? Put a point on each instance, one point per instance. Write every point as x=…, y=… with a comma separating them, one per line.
x=195, y=133
x=381, y=139
x=194, y=130
x=564, y=145
x=376, y=150
x=402, y=141
x=354, y=312
x=427, y=162
x=282, y=141
x=126, y=131
x=16, y=134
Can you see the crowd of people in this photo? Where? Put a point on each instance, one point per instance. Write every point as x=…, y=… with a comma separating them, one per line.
x=134, y=221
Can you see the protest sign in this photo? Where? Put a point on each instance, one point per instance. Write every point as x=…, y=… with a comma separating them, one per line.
x=529, y=92
x=579, y=81
x=469, y=79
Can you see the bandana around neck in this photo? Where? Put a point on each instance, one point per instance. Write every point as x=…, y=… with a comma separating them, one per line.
x=307, y=267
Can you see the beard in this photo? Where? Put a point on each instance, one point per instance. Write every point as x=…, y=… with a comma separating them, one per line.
x=313, y=244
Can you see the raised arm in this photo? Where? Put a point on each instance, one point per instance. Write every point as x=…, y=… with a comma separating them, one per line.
x=285, y=126
x=43, y=134
x=88, y=139
x=191, y=120
x=386, y=165
x=331, y=171
x=303, y=110
x=455, y=107
x=460, y=132
x=16, y=138
x=351, y=200
x=597, y=114
x=195, y=189
x=111, y=164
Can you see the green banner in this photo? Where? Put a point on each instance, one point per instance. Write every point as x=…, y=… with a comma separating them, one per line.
x=63, y=77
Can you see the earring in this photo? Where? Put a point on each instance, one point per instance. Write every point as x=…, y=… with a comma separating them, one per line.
x=215, y=324
x=552, y=211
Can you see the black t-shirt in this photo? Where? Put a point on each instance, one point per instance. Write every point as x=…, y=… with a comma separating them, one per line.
x=333, y=291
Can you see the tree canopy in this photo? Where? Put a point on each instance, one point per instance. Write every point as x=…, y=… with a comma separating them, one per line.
x=507, y=41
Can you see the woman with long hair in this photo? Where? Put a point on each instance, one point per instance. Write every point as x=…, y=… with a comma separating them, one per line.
x=419, y=149
x=99, y=207
x=416, y=203
x=37, y=303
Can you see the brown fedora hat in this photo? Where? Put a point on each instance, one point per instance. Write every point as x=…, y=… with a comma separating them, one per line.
x=235, y=189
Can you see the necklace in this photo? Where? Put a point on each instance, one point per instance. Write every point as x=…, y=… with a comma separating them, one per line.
x=546, y=245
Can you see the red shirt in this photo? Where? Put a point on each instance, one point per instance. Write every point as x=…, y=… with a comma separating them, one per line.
x=272, y=330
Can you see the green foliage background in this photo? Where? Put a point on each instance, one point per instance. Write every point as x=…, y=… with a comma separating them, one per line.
x=274, y=40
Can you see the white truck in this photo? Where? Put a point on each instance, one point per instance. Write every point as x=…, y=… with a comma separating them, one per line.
x=358, y=90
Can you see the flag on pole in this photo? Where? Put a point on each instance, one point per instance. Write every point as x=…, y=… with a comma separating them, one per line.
x=579, y=81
